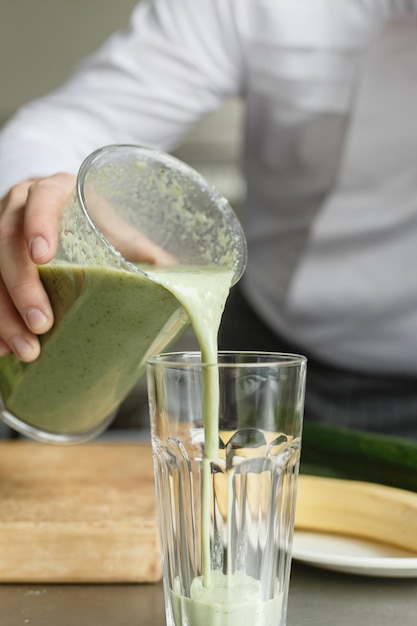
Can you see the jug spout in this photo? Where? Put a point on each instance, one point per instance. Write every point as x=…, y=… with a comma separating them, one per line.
x=132, y=208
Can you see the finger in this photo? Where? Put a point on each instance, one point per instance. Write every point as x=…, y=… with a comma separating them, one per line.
x=16, y=337
x=24, y=304
x=138, y=248
x=126, y=238
x=29, y=236
x=4, y=348
x=45, y=201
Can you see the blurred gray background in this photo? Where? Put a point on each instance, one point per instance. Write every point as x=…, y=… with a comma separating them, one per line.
x=41, y=42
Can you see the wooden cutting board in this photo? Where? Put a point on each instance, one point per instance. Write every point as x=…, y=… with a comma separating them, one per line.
x=83, y=513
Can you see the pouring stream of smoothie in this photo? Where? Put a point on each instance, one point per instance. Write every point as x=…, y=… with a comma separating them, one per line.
x=215, y=598
x=203, y=294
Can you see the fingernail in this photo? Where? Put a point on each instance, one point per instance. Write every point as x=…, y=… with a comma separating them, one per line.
x=23, y=349
x=36, y=320
x=38, y=248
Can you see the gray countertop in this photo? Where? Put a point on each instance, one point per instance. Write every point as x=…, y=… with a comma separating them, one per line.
x=317, y=598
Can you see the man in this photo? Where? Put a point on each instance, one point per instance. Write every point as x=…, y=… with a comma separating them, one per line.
x=330, y=162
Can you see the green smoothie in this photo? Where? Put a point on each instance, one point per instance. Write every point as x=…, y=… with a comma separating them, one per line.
x=106, y=324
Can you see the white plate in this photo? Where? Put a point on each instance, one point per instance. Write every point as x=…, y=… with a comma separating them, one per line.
x=353, y=556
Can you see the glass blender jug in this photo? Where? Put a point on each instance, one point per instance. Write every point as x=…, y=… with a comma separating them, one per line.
x=133, y=208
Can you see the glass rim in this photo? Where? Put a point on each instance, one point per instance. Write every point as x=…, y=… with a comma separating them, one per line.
x=253, y=358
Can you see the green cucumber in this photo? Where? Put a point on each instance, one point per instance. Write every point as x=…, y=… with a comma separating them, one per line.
x=347, y=453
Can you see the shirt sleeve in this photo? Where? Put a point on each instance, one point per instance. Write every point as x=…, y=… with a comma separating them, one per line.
x=176, y=61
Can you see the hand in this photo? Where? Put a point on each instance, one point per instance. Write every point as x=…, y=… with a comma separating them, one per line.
x=28, y=237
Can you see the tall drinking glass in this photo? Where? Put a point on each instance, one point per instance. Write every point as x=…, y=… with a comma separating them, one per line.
x=226, y=440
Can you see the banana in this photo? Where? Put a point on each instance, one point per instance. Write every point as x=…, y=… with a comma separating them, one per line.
x=358, y=509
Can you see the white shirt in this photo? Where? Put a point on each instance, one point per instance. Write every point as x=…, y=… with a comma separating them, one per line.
x=330, y=152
